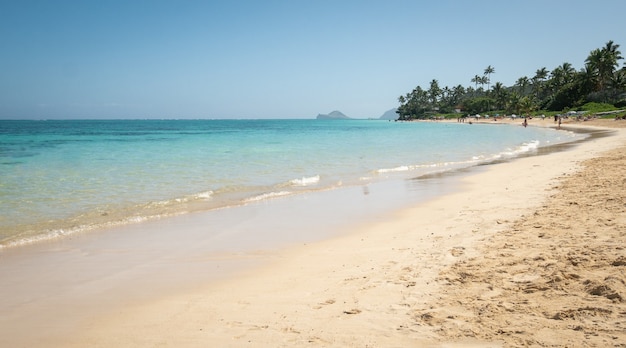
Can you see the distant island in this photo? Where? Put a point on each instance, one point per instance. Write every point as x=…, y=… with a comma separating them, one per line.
x=335, y=115
x=390, y=115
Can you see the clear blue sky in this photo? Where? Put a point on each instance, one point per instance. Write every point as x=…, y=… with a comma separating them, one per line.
x=276, y=59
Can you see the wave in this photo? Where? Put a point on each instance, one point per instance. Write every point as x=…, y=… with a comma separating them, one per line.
x=139, y=213
x=106, y=218
x=268, y=195
x=198, y=196
x=305, y=181
x=406, y=168
x=396, y=169
x=204, y=195
x=51, y=234
x=201, y=196
x=521, y=149
x=55, y=233
x=474, y=160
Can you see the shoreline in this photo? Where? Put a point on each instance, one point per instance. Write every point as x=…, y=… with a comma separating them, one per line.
x=98, y=220
x=329, y=293
x=25, y=229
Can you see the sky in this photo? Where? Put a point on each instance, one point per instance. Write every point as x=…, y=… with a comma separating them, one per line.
x=276, y=59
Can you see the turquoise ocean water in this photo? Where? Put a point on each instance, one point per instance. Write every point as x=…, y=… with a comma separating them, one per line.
x=60, y=177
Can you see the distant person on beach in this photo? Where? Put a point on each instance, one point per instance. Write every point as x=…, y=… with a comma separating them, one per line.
x=525, y=123
x=559, y=127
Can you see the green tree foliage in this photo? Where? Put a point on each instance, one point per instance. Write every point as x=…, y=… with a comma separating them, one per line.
x=601, y=80
x=477, y=105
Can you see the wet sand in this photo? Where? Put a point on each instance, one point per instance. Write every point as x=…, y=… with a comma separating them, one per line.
x=527, y=252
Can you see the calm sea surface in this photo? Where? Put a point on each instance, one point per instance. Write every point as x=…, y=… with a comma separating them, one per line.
x=59, y=177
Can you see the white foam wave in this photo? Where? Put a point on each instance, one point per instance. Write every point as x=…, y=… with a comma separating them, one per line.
x=525, y=147
x=407, y=168
x=268, y=195
x=305, y=181
x=56, y=233
x=51, y=234
x=531, y=146
x=198, y=196
x=396, y=169
x=204, y=195
x=137, y=219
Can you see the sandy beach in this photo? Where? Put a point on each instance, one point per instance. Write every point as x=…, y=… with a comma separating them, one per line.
x=528, y=252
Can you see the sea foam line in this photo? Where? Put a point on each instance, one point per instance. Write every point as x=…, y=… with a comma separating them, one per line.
x=406, y=168
x=57, y=233
x=305, y=181
x=203, y=196
x=525, y=147
x=268, y=195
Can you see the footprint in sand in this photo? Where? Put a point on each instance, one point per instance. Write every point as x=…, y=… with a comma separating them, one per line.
x=325, y=303
x=457, y=251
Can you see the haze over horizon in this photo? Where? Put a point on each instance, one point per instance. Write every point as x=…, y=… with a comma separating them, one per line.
x=276, y=59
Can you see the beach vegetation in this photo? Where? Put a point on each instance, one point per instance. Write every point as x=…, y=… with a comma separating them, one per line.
x=599, y=86
x=597, y=107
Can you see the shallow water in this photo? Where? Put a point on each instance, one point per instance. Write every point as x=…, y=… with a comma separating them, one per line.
x=62, y=177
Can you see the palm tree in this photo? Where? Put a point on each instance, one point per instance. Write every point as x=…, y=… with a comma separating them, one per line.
x=538, y=80
x=603, y=62
x=617, y=83
x=541, y=74
x=561, y=75
x=483, y=81
x=522, y=83
x=612, y=53
x=499, y=94
x=434, y=92
x=568, y=72
x=476, y=79
x=526, y=105
x=513, y=103
x=458, y=92
x=416, y=105
x=593, y=64
x=488, y=71
x=588, y=79
x=446, y=96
